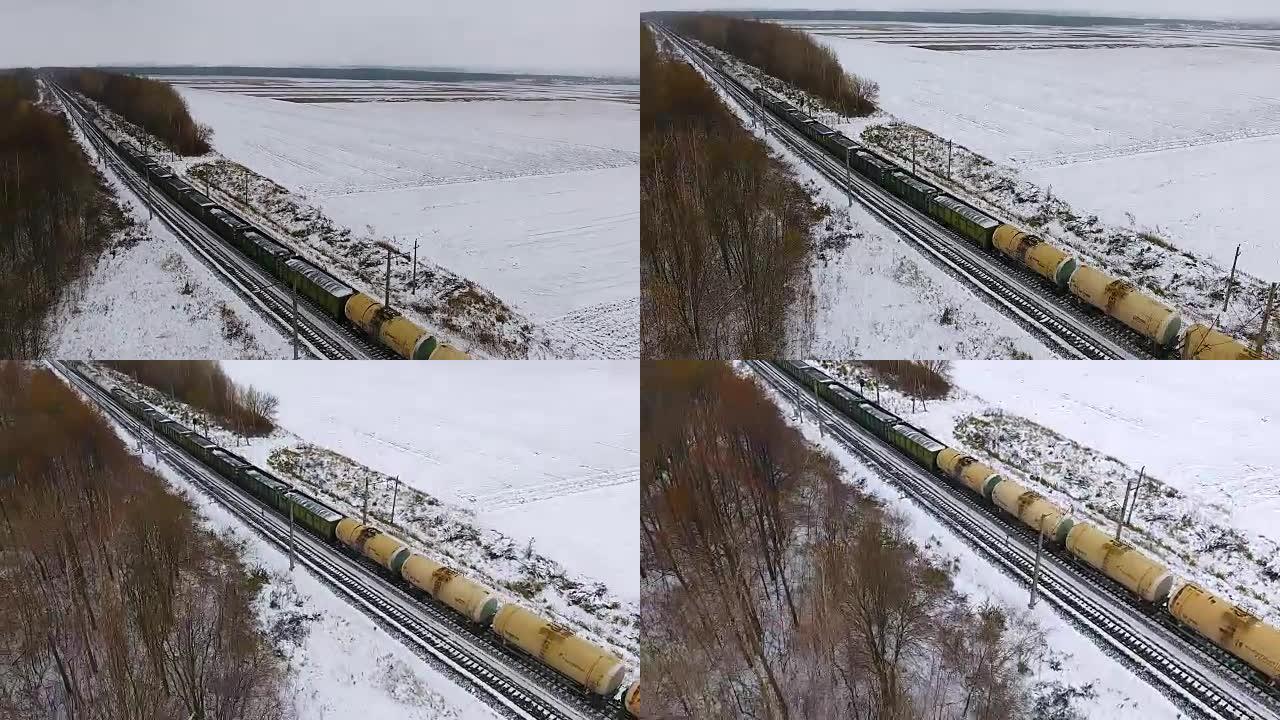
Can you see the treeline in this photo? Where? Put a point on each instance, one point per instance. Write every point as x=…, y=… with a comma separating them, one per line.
x=725, y=228
x=117, y=603
x=150, y=104
x=789, y=55
x=202, y=384
x=56, y=215
x=923, y=379
x=771, y=588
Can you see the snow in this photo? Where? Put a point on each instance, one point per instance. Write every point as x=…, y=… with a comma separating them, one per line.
x=551, y=440
x=1118, y=693
x=1211, y=502
x=537, y=200
x=879, y=298
x=154, y=299
x=1208, y=435
x=1185, y=139
x=346, y=666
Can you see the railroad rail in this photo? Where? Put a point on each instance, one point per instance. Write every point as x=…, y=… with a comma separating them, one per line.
x=1057, y=319
x=318, y=334
x=1183, y=666
x=477, y=660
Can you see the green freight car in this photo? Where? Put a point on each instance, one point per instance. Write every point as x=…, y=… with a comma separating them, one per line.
x=313, y=514
x=226, y=464
x=327, y=291
x=268, y=253
x=266, y=488
x=917, y=193
x=965, y=220
x=922, y=448
x=875, y=420
x=844, y=398
x=870, y=165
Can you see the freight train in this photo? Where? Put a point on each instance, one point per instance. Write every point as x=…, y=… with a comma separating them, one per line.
x=592, y=668
x=1228, y=626
x=1155, y=321
x=339, y=301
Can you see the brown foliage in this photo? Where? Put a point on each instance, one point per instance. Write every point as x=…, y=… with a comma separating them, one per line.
x=789, y=55
x=923, y=379
x=202, y=384
x=117, y=604
x=150, y=104
x=725, y=229
x=772, y=588
x=56, y=215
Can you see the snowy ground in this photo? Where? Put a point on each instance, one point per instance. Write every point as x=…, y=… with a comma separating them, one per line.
x=1186, y=139
x=537, y=200
x=876, y=297
x=1109, y=691
x=524, y=445
x=155, y=299
x=1078, y=432
x=342, y=663
x=340, y=90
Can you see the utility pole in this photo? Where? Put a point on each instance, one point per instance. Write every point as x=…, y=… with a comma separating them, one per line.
x=290, y=537
x=848, y=187
x=295, y=319
x=817, y=409
x=1124, y=506
x=1266, y=318
x=364, y=516
x=1035, y=573
x=413, y=284
x=1136, y=488
x=913, y=154
x=386, y=293
x=1232, y=280
x=395, y=493
x=948, y=158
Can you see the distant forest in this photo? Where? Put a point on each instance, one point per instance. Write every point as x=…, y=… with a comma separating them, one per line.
x=353, y=73
x=963, y=18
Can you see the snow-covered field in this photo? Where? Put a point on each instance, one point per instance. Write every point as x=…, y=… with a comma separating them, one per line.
x=339, y=90
x=1186, y=139
x=155, y=299
x=542, y=451
x=537, y=200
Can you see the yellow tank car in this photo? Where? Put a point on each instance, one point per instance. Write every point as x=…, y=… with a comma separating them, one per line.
x=1033, y=510
x=397, y=332
x=1119, y=299
x=1121, y=562
x=968, y=470
x=374, y=544
x=1204, y=343
x=1230, y=627
x=1044, y=259
x=451, y=588
x=632, y=699
x=590, y=666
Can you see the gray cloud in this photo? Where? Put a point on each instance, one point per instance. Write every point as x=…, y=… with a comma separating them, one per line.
x=577, y=36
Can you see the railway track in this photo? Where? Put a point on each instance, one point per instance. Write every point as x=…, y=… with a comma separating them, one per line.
x=510, y=682
x=318, y=335
x=1057, y=319
x=1185, y=667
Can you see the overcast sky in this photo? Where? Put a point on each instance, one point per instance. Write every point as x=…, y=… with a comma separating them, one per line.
x=575, y=36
